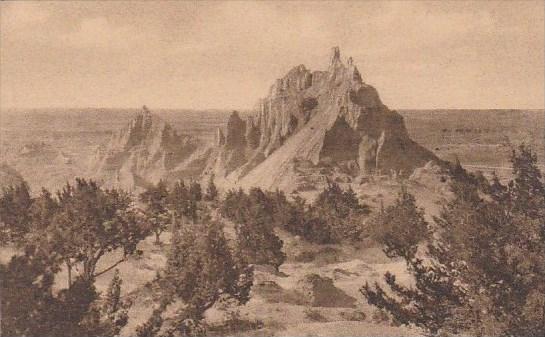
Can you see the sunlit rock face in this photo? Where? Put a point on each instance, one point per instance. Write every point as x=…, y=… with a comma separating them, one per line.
x=327, y=117
x=146, y=150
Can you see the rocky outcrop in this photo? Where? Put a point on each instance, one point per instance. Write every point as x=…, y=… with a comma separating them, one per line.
x=325, y=118
x=146, y=150
x=320, y=291
x=311, y=127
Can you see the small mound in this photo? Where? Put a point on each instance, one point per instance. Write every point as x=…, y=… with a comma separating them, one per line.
x=322, y=256
x=271, y=292
x=320, y=291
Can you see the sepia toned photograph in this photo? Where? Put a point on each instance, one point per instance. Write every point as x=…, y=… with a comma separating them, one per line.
x=272, y=168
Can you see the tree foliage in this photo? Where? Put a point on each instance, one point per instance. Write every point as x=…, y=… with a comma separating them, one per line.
x=201, y=269
x=91, y=222
x=15, y=205
x=339, y=213
x=335, y=216
x=30, y=307
x=212, y=192
x=254, y=217
x=155, y=199
x=401, y=226
x=484, y=274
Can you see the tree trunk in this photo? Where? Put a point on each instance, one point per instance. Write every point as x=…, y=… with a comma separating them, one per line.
x=69, y=267
x=88, y=270
x=543, y=315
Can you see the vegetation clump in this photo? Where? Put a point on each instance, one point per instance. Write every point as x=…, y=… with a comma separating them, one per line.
x=484, y=271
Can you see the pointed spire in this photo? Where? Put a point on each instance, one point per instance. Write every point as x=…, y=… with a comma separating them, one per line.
x=335, y=55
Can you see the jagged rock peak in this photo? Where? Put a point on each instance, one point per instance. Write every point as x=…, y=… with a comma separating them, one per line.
x=321, y=119
x=236, y=131
x=335, y=55
x=146, y=150
x=220, y=138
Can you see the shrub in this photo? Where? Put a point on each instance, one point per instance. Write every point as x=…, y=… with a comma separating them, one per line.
x=15, y=205
x=335, y=216
x=356, y=315
x=380, y=316
x=400, y=227
x=254, y=217
x=314, y=315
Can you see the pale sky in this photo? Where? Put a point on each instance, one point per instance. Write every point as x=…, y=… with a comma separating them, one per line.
x=226, y=54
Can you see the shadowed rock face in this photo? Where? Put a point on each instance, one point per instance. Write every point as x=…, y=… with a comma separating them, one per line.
x=340, y=142
x=323, y=117
x=146, y=150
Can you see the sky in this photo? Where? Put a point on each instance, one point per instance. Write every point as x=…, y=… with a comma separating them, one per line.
x=225, y=55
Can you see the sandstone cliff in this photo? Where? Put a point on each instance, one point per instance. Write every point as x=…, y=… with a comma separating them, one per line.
x=312, y=122
x=146, y=150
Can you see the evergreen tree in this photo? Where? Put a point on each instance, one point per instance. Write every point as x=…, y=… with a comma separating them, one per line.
x=485, y=271
x=234, y=204
x=183, y=202
x=211, y=190
x=256, y=239
x=26, y=288
x=156, y=200
x=526, y=190
x=43, y=210
x=15, y=219
x=30, y=307
x=195, y=191
x=254, y=217
x=152, y=326
x=201, y=268
x=340, y=212
x=91, y=222
x=109, y=314
x=401, y=227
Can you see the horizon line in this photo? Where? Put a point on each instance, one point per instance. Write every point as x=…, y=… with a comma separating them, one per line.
x=237, y=109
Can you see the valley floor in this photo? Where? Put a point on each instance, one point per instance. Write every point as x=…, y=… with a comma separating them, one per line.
x=279, y=300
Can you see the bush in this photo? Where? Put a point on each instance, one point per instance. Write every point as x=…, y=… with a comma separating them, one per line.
x=254, y=218
x=380, y=316
x=400, y=227
x=335, y=216
x=314, y=315
x=15, y=221
x=358, y=316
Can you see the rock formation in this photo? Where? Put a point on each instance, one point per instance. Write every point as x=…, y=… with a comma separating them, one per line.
x=312, y=126
x=311, y=120
x=146, y=150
